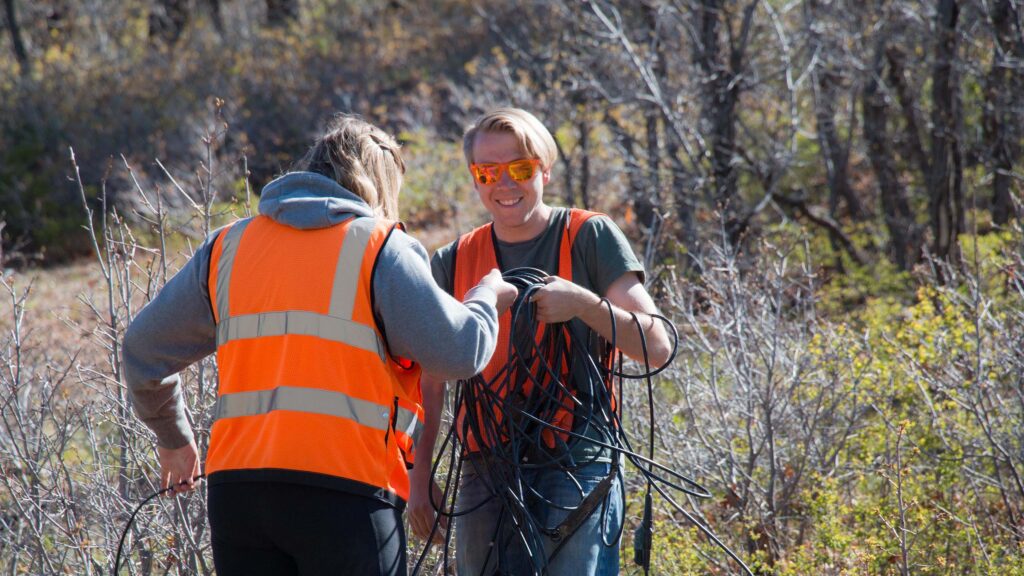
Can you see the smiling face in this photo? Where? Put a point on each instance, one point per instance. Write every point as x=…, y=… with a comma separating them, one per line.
x=517, y=208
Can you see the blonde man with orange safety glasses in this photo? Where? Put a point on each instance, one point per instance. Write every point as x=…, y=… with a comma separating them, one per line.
x=510, y=156
x=322, y=312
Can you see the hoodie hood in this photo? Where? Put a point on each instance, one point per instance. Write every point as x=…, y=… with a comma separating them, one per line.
x=305, y=200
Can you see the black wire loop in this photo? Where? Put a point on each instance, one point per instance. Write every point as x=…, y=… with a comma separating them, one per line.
x=128, y=525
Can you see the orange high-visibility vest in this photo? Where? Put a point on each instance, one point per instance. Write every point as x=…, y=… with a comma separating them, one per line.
x=308, y=391
x=475, y=256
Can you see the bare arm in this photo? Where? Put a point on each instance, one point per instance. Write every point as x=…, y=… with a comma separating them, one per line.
x=422, y=485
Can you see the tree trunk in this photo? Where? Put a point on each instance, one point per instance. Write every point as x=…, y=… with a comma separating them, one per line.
x=649, y=199
x=216, y=15
x=722, y=84
x=634, y=172
x=835, y=154
x=686, y=208
x=945, y=179
x=720, y=102
x=910, y=141
x=680, y=187
x=1002, y=121
x=828, y=83
x=167, y=20
x=584, y=187
x=282, y=12
x=16, y=43
x=568, y=178
x=899, y=218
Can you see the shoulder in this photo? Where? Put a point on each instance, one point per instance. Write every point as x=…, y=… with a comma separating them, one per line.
x=208, y=253
x=599, y=230
x=447, y=251
x=399, y=245
x=603, y=250
x=219, y=232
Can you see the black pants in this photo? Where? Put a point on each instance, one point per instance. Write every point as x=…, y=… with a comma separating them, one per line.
x=289, y=529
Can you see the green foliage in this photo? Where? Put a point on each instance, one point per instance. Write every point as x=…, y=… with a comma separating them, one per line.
x=150, y=100
x=437, y=183
x=919, y=377
x=888, y=403
x=40, y=215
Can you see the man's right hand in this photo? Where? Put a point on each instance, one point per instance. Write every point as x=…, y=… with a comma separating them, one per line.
x=505, y=292
x=422, y=512
x=179, y=467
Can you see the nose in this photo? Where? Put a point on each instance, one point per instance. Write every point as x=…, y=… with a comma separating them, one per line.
x=505, y=180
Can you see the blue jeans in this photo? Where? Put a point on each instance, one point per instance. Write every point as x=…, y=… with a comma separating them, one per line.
x=491, y=539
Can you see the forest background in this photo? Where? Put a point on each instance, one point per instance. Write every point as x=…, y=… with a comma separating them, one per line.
x=826, y=195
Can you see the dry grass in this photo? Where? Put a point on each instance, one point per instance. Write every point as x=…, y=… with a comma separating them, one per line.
x=56, y=318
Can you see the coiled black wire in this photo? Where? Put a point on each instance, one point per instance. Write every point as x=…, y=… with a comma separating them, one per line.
x=510, y=417
x=128, y=524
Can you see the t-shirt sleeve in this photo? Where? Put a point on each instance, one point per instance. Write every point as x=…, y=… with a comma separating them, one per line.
x=606, y=252
x=441, y=266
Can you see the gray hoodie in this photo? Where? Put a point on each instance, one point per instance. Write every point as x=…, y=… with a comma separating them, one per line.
x=421, y=322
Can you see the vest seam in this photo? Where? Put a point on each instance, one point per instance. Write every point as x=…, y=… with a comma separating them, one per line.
x=379, y=324
x=206, y=273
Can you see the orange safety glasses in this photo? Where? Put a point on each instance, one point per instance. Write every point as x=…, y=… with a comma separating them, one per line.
x=518, y=170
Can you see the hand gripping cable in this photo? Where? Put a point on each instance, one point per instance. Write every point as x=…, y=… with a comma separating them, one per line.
x=128, y=525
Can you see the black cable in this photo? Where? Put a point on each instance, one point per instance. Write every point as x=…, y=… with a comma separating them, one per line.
x=643, y=537
x=551, y=371
x=128, y=525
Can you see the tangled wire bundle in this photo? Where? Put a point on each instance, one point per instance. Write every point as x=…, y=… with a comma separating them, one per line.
x=518, y=422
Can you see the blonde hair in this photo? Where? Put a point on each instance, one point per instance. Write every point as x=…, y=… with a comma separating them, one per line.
x=534, y=139
x=361, y=157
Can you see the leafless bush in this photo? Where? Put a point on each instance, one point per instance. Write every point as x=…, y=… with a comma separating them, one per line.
x=76, y=461
x=758, y=404
x=901, y=428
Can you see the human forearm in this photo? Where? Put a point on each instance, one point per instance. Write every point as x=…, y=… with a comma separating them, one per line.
x=627, y=331
x=159, y=405
x=560, y=300
x=433, y=405
x=424, y=494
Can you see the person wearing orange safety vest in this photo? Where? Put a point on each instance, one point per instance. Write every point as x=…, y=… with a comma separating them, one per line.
x=510, y=156
x=323, y=313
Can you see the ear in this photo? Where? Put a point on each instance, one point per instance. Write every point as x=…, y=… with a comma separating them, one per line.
x=546, y=176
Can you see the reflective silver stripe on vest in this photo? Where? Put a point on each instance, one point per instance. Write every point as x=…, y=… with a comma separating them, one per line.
x=300, y=322
x=310, y=400
x=407, y=422
x=229, y=248
x=350, y=261
x=337, y=326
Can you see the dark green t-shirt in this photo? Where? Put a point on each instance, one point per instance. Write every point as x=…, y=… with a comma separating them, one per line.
x=601, y=254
